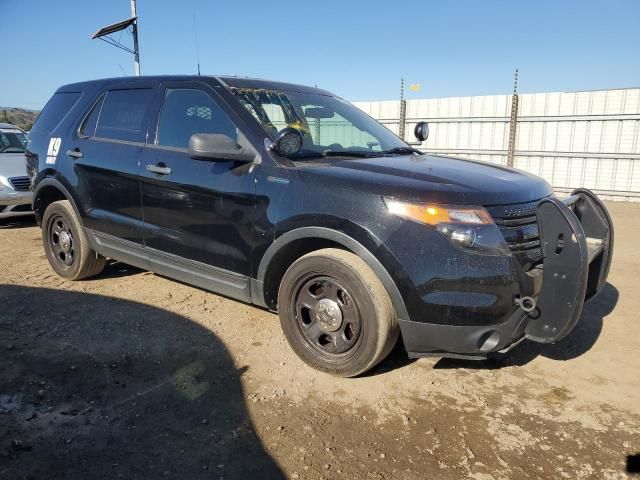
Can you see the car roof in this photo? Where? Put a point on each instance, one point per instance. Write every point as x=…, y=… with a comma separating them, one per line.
x=226, y=80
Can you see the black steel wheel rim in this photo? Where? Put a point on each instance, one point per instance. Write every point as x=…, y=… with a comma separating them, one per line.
x=61, y=241
x=327, y=316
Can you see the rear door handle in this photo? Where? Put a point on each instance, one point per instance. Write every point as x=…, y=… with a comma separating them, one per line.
x=76, y=153
x=159, y=169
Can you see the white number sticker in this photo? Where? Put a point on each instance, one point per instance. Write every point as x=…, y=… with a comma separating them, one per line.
x=53, y=150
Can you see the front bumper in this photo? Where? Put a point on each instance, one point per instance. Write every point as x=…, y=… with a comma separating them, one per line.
x=13, y=203
x=577, y=242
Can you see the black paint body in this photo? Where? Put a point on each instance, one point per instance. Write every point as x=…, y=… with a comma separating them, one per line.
x=220, y=224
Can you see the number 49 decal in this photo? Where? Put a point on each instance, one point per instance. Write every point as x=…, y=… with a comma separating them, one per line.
x=52, y=151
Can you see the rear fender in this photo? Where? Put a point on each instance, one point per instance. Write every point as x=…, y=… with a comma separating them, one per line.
x=38, y=195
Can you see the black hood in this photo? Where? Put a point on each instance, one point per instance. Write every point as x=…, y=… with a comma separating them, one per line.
x=432, y=179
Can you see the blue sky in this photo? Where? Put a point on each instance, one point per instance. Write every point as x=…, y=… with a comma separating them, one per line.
x=357, y=49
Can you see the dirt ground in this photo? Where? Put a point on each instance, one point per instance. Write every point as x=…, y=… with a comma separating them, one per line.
x=130, y=375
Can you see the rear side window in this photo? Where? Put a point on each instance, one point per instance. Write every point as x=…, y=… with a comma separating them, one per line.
x=188, y=111
x=123, y=114
x=88, y=128
x=55, y=110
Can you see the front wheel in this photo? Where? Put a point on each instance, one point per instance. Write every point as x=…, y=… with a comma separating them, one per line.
x=335, y=313
x=66, y=245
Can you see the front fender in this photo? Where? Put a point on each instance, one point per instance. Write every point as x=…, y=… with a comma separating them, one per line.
x=346, y=241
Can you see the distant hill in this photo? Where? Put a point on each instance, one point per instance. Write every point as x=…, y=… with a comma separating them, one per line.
x=18, y=116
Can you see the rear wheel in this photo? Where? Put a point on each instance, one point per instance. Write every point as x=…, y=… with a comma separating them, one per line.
x=335, y=313
x=66, y=245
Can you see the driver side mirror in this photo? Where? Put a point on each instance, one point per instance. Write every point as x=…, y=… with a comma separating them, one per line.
x=421, y=131
x=216, y=146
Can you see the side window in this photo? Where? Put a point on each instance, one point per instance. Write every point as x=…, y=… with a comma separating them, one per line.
x=88, y=128
x=54, y=111
x=188, y=111
x=123, y=114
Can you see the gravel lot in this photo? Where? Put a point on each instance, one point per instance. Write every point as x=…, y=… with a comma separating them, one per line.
x=130, y=375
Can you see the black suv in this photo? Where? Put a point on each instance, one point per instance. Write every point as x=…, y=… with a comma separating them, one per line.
x=291, y=198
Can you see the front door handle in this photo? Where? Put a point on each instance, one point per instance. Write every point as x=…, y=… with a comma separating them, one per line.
x=160, y=169
x=75, y=153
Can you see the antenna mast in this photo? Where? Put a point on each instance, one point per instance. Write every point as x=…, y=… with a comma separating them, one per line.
x=195, y=34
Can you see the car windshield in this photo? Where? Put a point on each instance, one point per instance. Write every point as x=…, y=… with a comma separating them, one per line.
x=329, y=125
x=12, y=141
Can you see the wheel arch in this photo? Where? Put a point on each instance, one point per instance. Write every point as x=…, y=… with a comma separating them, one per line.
x=275, y=262
x=51, y=190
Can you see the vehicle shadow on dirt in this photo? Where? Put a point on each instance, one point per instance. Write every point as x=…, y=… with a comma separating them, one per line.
x=115, y=269
x=97, y=387
x=397, y=358
x=579, y=341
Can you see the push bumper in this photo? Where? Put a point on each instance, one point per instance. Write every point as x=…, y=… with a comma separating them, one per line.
x=577, y=243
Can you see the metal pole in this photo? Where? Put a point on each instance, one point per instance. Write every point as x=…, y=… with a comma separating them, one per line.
x=403, y=111
x=513, y=123
x=136, y=49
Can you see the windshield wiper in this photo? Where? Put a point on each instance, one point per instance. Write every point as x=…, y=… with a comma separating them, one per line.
x=401, y=151
x=348, y=153
x=356, y=153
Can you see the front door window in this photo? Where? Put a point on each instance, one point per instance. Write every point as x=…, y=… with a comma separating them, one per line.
x=188, y=111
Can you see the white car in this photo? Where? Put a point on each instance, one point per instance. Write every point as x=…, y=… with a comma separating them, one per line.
x=15, y=186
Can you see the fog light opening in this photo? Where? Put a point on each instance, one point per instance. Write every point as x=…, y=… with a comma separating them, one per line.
x=464, y=236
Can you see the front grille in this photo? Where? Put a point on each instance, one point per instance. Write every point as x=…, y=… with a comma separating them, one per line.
x=22, y=184
x=519, y=226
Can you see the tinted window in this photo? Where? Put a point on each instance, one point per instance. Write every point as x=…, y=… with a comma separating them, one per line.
x=185, y=112
x=12, y=141
x=123, y=114
x=54, y=111
x=89, y=126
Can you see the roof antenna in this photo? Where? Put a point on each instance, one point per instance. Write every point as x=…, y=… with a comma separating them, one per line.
x=195, y=34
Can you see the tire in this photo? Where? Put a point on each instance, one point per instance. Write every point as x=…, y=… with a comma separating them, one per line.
x=66, y=244
x=344, y=342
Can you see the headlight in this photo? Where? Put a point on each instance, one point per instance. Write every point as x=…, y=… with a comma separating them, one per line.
x=437, y=214
x=464, y=226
